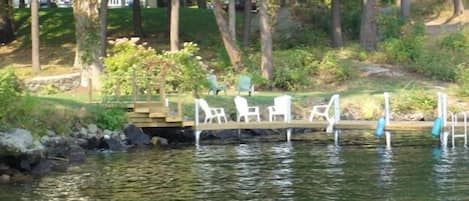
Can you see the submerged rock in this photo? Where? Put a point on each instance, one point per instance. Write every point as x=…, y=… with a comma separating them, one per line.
x=43, y=167
x=4, y=178
x=112, y=144
x=76, y=154
x=159, y=141
x=135, y=136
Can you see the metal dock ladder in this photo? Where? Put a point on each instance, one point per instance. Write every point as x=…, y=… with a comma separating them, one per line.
x=454, y=122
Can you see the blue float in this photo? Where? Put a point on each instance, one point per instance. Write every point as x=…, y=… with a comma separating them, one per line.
x=436, y=129
x=380, y=127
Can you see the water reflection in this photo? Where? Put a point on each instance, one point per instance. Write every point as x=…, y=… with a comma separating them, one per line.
x=259, y=171
x=386, y=170
x=282, y=173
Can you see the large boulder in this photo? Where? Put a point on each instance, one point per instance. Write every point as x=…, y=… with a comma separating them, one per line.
x=135, y=136
x=17, y=141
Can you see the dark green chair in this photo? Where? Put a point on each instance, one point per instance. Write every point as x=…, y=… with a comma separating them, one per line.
x=245, y=84
x=214, y=86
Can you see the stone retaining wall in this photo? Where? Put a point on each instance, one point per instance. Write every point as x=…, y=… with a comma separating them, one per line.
x=61, y=82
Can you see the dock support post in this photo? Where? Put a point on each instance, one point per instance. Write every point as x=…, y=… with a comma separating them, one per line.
x=288, y=119
x=387, y=116
x=442, y=112
x=196, y=122
x=197, y=137
x=336, y=137
x=288, y=134
x=388, y=139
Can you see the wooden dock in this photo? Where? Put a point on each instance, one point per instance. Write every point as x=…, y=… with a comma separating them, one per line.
x=156, y=114
x=341, y=125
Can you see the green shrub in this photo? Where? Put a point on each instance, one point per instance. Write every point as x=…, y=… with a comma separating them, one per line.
x=294, y=69
x=298, y=69
x=463, y=78
x=110, y=118
x=127, y=60
x=458, y=41
x=408, y=47
x=10, y=90
x=436, y=64
x=187, y=72
x=414, y=100
x=389, y=24
x=331, y=70
x=182, y=70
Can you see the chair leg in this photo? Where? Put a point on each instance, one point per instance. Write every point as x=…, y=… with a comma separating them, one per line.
x=270, y=117
x=238, y=118
x=258, y=118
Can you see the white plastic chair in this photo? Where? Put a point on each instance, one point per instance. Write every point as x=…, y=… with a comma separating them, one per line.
x=243, y=110
x=280, y=107
x=323, y=110
x=211, y=112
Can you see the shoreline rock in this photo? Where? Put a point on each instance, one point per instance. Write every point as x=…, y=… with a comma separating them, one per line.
x=22, y=156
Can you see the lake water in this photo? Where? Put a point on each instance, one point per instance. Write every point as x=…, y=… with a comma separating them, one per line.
x=260, y=171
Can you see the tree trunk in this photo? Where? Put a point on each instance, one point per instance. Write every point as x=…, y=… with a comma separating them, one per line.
x=337, y=40
x=247, y=23
x=22, y=4
x=202, y=4
x=369, y=28
x=7, y=32
x=168, y=15
x=458, y=7
x=266, y=41
x=232, y=18
x=88, y=45
x=103, y=27
x=137, y=18
x=174, y=32
x=230, y=44
x=35, y=37
x=405, y=9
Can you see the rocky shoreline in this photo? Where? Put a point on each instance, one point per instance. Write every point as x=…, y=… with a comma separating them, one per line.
x=22, y=156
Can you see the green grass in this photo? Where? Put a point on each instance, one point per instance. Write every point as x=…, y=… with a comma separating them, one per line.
x=57, y=27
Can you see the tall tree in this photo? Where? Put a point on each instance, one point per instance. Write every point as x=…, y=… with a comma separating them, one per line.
x=458, y=8
x=35, y=36
x=137, y=18
x=202, y=4
x=405, y=9
x=229, y=42
x=174, y=31
x=22, y=4
x=232, y=18
x=7, y=33
x=369, y=27
x=337, y=40
x=103, y=27
x=88, y=43
x=266, y=41
x=247, y=22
